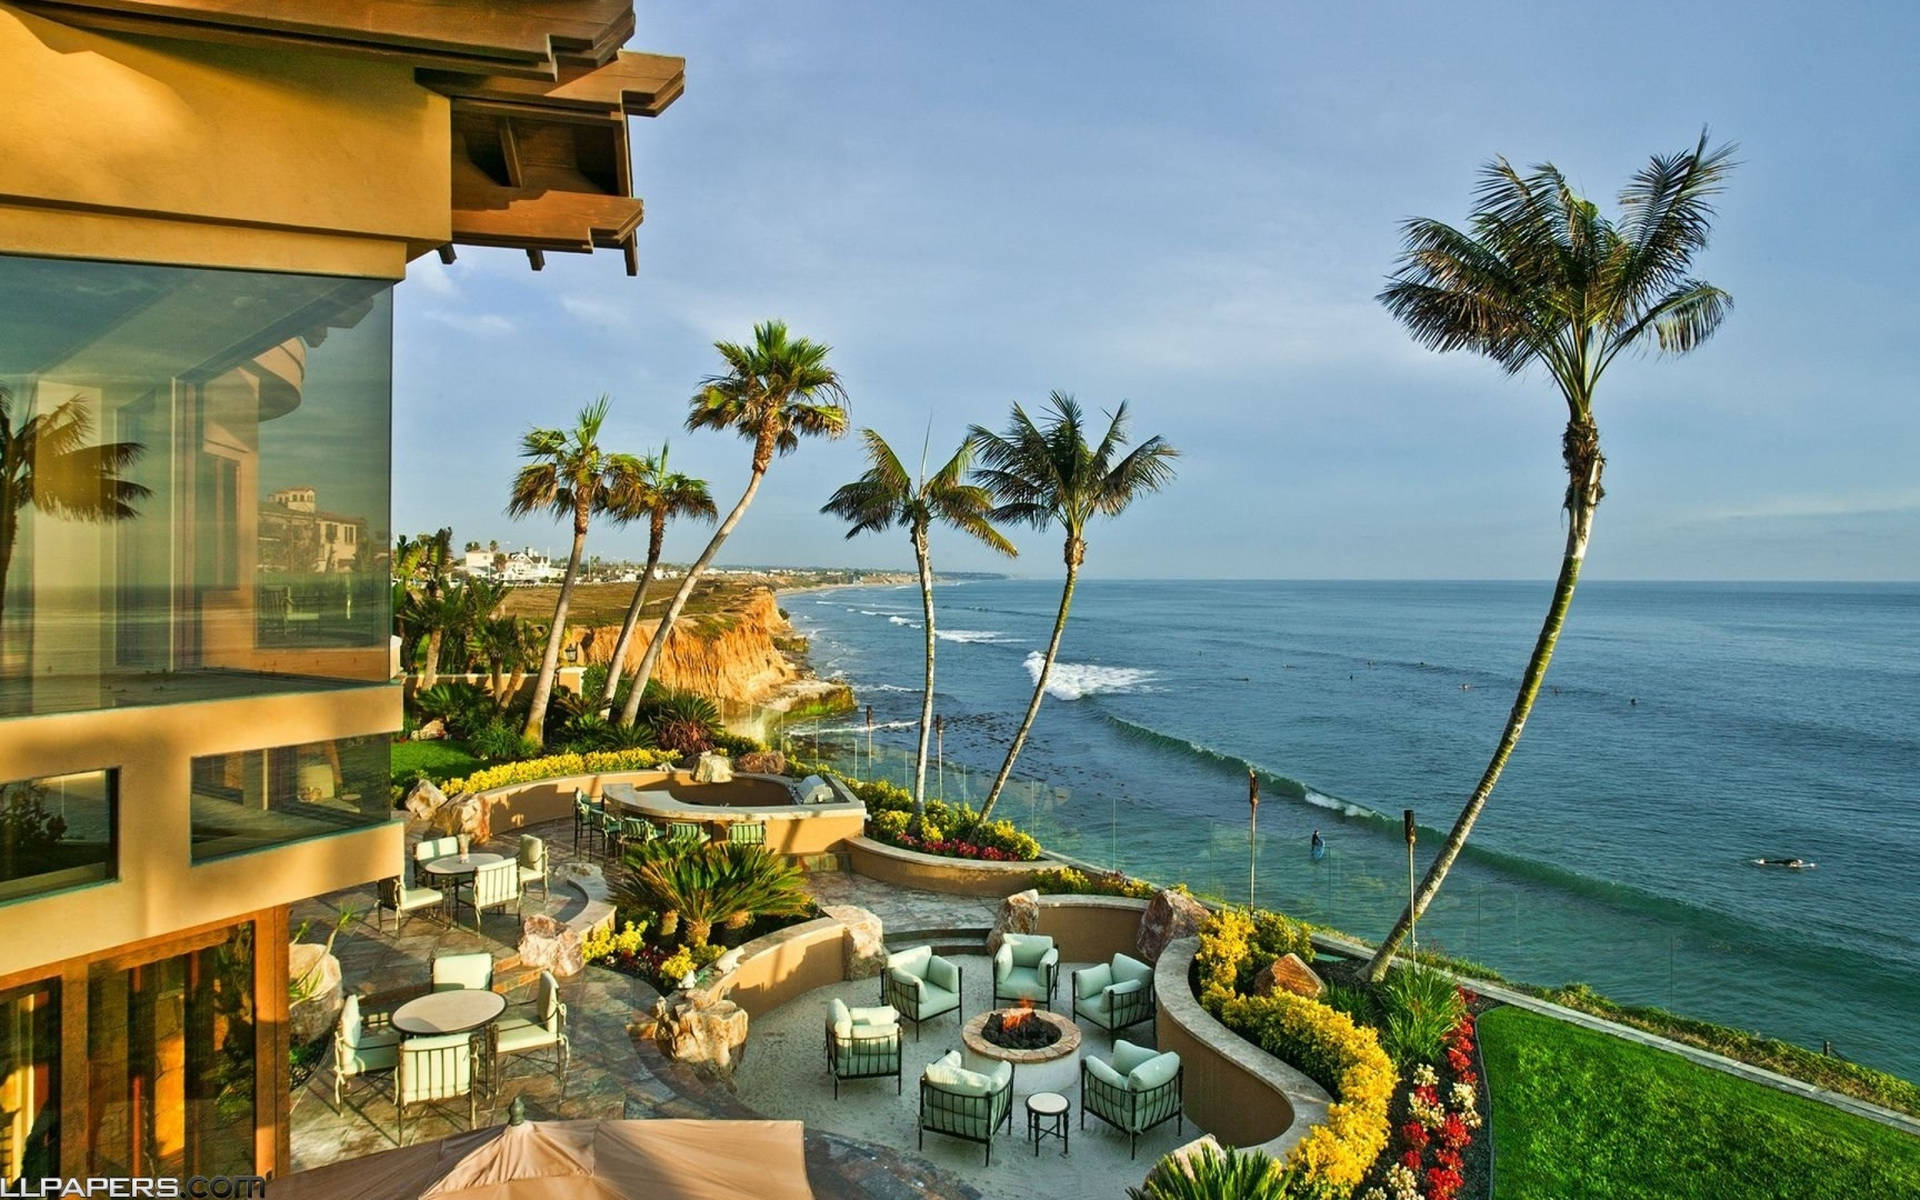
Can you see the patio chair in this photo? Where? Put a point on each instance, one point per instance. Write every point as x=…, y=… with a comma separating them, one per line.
x=585, y=821
x=610, y=829
x=433, y=1069
x=1138, y=1091
x=532, y=861
x=359, y=1051
x=920, y=985
x=862, y=1043
x=1114, y=995
x=747, y=833
x=496, y=885
x=1026, y=967
x=545, y=1030
x=635, y=831
x=451, y=972
x=687, y=833
x=971, y=1105
x=403, y=901
x=427, y=849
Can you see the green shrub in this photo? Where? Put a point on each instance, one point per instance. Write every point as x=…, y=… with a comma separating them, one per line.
x=681, y=721
x=1275, y=935
x=591, y=731
x=464, y=707
x=736, y=745
x=1419, y=1007
x=1213, y=1174
x=496, y=742
x=694, y=888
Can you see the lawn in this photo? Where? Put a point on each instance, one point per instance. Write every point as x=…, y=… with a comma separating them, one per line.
x=438, y=760
x=1580, y=1115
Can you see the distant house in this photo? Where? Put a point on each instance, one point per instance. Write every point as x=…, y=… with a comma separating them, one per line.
x=297, y=537
x=525, y=566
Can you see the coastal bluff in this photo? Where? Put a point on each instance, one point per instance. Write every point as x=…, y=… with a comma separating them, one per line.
x=733, y=654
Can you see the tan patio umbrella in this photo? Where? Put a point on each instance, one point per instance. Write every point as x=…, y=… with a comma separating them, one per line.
x=576, y=1160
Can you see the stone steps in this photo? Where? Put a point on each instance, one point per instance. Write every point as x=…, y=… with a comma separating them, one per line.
x=947, y=943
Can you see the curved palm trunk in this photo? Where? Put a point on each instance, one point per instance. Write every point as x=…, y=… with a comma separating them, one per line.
x=925, y=562
x=1076, y=552
x=430, y=670
x=631, y=709
x=617, y=664
x=1583, y=495
x=550, y=661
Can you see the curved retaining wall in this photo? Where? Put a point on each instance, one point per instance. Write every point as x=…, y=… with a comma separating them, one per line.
x=796, y=829
x=1234, y=1090
x=1092, y=928
x=936, y=873
x=784, y=964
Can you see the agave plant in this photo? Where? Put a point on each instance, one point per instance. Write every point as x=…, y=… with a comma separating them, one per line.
x=694, y=888
x=1216, y=1174
x=681, y=721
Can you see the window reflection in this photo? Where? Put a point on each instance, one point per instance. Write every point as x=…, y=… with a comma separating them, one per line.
x=56, y=832
x=258, y=798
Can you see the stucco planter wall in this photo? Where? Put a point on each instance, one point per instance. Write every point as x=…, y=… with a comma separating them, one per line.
x=936, y=873
x=788, y=962
x=1091, y=928
x=1234, y=1090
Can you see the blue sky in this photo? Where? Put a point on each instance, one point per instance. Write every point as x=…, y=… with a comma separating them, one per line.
x=1190, y=207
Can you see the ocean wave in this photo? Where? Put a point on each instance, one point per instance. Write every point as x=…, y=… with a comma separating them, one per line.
x=884, y=687
x=1071, y=681
x=902, y=621
x=970, y=637
x=877, y=725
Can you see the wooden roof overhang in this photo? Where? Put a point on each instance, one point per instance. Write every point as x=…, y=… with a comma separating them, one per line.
x=540, y=94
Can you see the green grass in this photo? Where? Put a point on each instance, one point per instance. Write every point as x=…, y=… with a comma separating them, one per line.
x=1578, y=1114
x=437, y=760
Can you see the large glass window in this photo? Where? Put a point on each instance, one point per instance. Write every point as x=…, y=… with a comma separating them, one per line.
x=256, y=798
x=195, y=487
x=30, y=1081
x=170, y=1060
x=56, y=832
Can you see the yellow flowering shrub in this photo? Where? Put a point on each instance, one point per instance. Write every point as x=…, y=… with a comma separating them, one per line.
x=678, y=965
x=1326, y=1044
x=555, y=766
x=603, y=942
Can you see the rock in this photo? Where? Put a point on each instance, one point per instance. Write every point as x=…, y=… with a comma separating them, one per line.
x=1182, y=1158
x=1288, y=974
x=1170, y=916
x=704, y=1032
x=762, y=762
x=424, y=800
x=865, y=946
x=465, y=813
x=1019, y=913
x=318, y=973
x=432, y=731
x=713, y=768
x=546, y=944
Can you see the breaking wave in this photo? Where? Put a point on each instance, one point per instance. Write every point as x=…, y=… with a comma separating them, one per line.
x=1071, y=681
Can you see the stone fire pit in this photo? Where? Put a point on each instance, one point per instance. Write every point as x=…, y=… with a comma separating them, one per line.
x=1054, y=1068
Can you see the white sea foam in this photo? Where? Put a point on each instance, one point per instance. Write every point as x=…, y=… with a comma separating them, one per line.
x=902, y=621
x=973, y=636
x=885, y=687
x=1071, y=681
x=862, y=728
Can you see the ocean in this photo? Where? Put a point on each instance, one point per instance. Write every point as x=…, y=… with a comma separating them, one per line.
x=1684, y=731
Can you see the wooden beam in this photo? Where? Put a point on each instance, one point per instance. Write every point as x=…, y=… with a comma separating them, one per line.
x=537, y=259
x=639, y=85
x=446, y=253
x=510, y=151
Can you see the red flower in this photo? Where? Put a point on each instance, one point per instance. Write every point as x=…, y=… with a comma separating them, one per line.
x=1470, y=1079
x=1443, y=1184
x=1411, y=1160
x=1415, y=1133
x=1454, y=1132
x=1450, y=1159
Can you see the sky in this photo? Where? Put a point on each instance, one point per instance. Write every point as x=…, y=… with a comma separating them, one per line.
x=1191, y=208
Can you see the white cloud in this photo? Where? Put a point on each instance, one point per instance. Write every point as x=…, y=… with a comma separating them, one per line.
x=471, y=322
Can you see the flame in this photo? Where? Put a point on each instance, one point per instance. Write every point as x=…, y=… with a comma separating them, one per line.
x=1017, y=1016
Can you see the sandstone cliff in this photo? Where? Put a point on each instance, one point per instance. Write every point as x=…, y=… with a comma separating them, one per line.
x=728, y=656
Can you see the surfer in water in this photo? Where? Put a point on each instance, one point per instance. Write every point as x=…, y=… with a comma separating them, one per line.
x=1318, y=847
x=1791, y=864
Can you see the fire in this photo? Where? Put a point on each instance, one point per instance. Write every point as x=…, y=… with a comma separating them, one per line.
x=1017, y=1016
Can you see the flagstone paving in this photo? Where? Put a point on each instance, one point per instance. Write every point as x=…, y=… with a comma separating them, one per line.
x=613, y=1073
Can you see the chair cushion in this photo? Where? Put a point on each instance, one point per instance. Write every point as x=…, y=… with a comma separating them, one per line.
x=517, y=1033
x=1092, y=981
x=839, y=1017
x=1104, y=1073
x=1157, y=1070
x=1028, y=948
x=1127, y=1056
x=371, y=1055
x=419, y=897
x=913, y=961
x=914, y=985
x=936, y=1000
x=882, y=1014
x=942, y=974
x=961, y=1082
x=1129, y=969
x=1023, y=982
x=1129, y=988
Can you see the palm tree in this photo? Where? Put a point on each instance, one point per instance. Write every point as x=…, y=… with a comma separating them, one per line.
x=1041, y=475
x=659, y=495
x=497, y=640
x=47, y=464
x=773, y=392
x=570, y=476
x=886, y=496
x=1541, y=278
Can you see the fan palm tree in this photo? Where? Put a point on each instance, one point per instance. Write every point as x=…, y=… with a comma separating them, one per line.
x=886, y=496
x=774, y=391
x=1541, y=278
x=571, y=476
x=659, y=496
x=1039, y=475
x=497, y=640
x=47, y=464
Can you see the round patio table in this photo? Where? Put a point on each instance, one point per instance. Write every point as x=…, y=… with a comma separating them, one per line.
x=459, y=1011
x=453, y=864
x=1047, y=1117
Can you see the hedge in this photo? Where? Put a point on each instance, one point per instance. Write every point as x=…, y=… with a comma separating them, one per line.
x=555, y=766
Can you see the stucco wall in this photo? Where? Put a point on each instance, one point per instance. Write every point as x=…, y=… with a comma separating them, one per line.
x=787, y=964
x=933, y=873
x=1092, y=928
x=796, y=830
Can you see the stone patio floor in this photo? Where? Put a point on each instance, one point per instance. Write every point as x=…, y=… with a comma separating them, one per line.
x=613, y=1073
x=783, y=1076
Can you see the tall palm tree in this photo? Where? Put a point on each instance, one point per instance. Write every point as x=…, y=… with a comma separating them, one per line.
x=659, y=495
x=1540, y=278
x=886, y=496
x=774, y=391
x=47, y=464
x=497, y=641
x=1039, y=475
x=572, y=477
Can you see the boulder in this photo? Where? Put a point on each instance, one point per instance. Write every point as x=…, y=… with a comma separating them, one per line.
x=547, y=944
x=1170, y=916
x=1288, y=974
x=424, y=800
x=713, y=767
x=1181, y=1159
x=865, y=946
x=1019, y=913
x=701, y=1031
x=762, y=762
x=432, y=731
x=465, y=813
x=316, y=973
